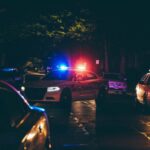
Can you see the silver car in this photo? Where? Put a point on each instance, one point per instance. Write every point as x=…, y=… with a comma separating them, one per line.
x=64, y=86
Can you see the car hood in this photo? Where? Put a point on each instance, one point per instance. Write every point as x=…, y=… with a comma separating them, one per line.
x=46, y=83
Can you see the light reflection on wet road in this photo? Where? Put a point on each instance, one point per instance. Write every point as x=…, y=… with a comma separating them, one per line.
x=118, y=127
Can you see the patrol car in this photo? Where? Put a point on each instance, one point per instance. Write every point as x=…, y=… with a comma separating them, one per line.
x=64, y=85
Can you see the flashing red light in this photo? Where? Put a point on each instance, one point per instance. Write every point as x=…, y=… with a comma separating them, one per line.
x=81, y=67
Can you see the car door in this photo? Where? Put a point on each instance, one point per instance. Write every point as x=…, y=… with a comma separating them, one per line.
x=77, y=85
x=91, y=85
x=87, y=84
x=11, y=113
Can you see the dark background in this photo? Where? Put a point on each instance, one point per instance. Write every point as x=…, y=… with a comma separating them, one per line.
x=120, y=39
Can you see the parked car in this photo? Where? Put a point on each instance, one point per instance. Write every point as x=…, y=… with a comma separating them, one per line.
x=22, y=126
x=63, y=86
x=116, y=83
x=142, y=91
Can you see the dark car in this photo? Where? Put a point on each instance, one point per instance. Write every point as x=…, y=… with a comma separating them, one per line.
x=22, y=126
x=116, y=83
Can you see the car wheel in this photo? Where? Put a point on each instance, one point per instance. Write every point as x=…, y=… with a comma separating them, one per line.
x=101, y=99
x=66, y=100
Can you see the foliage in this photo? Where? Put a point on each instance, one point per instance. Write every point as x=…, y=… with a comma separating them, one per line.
x=58, y=27
x=45, y=31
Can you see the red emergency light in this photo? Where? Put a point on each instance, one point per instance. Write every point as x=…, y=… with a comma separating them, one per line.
x=81, y=67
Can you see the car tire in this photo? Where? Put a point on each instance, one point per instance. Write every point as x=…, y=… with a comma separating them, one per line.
x=101, y=99
x=66, y=100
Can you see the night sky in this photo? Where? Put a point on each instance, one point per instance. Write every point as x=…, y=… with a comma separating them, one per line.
x=125, y=23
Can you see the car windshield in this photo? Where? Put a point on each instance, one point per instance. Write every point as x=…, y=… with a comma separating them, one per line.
x=59, y=75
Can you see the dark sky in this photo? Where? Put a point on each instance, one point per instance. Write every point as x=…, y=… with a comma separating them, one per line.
x=123, y=12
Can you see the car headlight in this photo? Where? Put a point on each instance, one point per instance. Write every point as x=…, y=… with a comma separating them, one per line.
x=53, y=89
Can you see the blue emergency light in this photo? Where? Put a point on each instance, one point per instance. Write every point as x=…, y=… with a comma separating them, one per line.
x=63, y=67
x=8, y=69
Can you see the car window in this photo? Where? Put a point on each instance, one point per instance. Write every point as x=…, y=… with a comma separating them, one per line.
x=79, y=77
x=59, y=75
x=90, y=76
x=32, y=78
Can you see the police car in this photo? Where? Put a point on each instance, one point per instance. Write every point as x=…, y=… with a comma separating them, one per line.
x=64, y=85
x=142, y=91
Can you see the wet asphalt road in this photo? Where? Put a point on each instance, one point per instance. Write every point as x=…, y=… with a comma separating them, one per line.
x=117, y=127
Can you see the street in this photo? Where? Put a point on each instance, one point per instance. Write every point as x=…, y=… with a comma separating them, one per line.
x=118, y=126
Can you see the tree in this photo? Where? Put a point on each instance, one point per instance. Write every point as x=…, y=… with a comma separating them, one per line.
x=46, y=31
x=57, y=28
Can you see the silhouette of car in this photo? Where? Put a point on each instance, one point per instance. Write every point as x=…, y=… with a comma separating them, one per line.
x=22, y=126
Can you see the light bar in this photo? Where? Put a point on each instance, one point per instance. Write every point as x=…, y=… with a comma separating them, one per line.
x=81, y=67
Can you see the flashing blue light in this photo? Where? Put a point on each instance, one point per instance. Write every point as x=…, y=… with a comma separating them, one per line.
x=63, y=67
x=8, y=69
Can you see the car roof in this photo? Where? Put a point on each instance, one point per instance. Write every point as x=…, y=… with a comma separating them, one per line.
x=75, y=70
